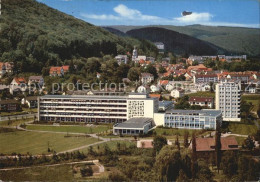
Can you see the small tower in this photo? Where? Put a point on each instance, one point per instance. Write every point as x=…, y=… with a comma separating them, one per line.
x=135, y=54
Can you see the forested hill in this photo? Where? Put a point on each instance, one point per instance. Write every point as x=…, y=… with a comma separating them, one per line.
x=236, y=40
x=34, y=35
x=176, y=42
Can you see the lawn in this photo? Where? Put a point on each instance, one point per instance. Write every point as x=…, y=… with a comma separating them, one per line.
x=37, y=143
x=70, y=129
x=254, y=99
x=111, y=144
x=202, y=94
x=174, y=131
x=242, y=128
x=57, y=173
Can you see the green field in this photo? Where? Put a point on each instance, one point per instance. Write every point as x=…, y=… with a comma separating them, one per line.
x=242, y=128
x=254, y=99
x=37, y=143
x=202, y=94
x=175, y=131
x=70, y=129
x=57, y=173
x=111, y=144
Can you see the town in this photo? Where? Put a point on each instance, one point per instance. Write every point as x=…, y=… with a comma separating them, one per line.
x=130, y=110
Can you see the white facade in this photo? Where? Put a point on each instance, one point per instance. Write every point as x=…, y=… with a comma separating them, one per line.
x=147, y=78
x=121, y=59
x=141, y=89
x=177, y=93
x=228, y=100
x=154, y=88
x=95, y=108
x=189, y=119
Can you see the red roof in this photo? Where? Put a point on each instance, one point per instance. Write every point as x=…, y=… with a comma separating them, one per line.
x=155, y=95
x=20, y=80
x=206, y=76
x=66, y=68
x=55, y=69
x=163, y=82
x=208, y=144
x=200, y=99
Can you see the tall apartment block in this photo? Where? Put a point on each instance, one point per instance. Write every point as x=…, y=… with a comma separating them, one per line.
x=96, y=108
x=227, y=96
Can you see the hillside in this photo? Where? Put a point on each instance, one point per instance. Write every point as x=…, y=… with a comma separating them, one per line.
x=176, y=42
x=233, y=39
x=34, y=35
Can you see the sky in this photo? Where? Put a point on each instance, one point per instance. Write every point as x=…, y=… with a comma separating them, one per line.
x=237, y=13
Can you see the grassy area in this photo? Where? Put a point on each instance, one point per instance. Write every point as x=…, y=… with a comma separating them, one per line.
x=111, y=144
x=37, y=143
x=175, y=131
x=254, y=99
x=14, y=122
x=239, y=139
x=57, y=173
x=242, y=128
x=70, y=129
x=203, y=94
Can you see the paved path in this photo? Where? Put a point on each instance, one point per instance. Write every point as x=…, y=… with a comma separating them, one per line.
x=95, y=162
x=16, y=117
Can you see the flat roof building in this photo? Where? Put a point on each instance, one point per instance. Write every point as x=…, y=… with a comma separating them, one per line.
x=189, y=119
x=96, y=108
x=133, y=126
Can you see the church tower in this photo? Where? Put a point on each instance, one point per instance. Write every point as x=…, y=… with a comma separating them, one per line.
x=135, y=54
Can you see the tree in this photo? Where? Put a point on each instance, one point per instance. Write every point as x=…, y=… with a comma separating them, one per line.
x=133, y=74
x=168, y=164
x=229, y=163
x=86, y=171
x=162, y=70
x=151, y=69
x=177, y=143
x=182, y=177
x=159, y=142
x=248, y=143
x=186, y=139
x=218, y=146
x=194, y=164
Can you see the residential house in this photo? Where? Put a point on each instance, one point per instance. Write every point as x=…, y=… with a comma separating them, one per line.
x=205, y=78
x=202, y=101
x=177, y=93
x=31, y=101
x=205, y=147
x=154, y=88
x=58, y=70
x=239, y=76
x=147, y=78
x=5, y=67
x=163, y=83
x=2, y=69
x=142, y=89
x=9, y=105
x=36, y=80
x=121, y=59
x=19, y=81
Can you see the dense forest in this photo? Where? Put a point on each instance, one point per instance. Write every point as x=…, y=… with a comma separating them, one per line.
x=34, y=36
x=236, y=40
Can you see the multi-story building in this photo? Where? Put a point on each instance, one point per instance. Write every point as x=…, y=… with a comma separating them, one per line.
x=189, y=119
x=9, y=105
x=227, y=99
x=96, y=108
x=146, y=78
x=205, y=78
x=202, y=101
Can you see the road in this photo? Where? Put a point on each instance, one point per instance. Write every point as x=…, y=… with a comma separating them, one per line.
x=16, y=117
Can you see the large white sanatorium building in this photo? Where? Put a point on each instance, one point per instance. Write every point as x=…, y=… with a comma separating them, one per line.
x=96, y=108
x=228, y=100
